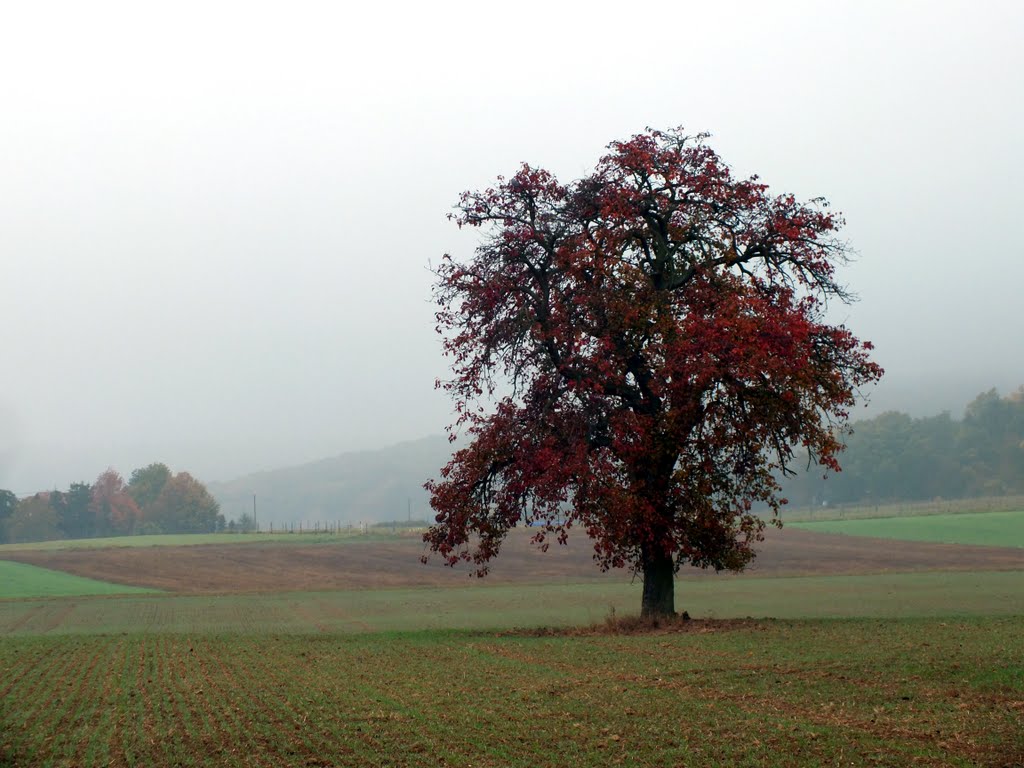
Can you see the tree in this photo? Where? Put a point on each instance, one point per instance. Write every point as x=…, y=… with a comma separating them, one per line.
x=185, y=506
x=245, y=524
x=34, y=519
x=895, y=457
x=114, y=510
x=74, y=511
x=8, y=503
x=146, y=483
x=991, y=435
x=653, y=337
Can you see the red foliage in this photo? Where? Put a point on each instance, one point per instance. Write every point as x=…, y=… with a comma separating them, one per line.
x=114, y=510
x=657, y=330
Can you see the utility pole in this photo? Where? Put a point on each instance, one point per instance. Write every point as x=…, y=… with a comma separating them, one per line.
x=254, y=523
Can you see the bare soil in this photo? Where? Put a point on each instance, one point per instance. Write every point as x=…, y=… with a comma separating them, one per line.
x=277, y=567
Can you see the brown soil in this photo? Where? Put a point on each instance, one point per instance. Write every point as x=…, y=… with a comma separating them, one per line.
x=275, y=567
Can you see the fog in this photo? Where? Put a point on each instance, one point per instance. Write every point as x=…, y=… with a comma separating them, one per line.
x=217, y=219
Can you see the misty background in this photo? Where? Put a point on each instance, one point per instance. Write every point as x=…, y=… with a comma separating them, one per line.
x=217, y=219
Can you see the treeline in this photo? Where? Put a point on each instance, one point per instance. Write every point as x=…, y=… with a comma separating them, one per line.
x=154, y=500
x=894, y=457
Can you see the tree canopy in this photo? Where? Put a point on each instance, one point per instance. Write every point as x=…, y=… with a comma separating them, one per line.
x=147, y=482
x=114, y=510
x=639, y=353
x=76, y=515
x=34, y=519
x=185, y=506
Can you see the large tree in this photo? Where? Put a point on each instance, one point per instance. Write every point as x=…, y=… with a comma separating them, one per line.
x=653, y=340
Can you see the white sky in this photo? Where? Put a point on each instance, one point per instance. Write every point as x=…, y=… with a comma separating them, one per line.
x=216, y=217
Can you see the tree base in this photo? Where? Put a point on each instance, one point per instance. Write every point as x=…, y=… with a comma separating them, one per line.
x=659, y=587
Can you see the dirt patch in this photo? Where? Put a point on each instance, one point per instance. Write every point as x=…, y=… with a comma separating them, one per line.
x=796, y=552
x=276, y=567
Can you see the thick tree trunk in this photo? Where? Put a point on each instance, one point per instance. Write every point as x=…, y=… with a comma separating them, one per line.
x=659, y=585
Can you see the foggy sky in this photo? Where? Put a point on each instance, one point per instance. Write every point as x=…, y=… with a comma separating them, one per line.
x=216, y=219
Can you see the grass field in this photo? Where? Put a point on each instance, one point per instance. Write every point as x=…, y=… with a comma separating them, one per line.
x=505, y=607
x=996, y=529
x=196, y=539
x=775, y=693
x=20, y=580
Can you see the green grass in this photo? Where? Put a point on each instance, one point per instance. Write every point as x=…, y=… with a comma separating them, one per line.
x=997, y=529
x=195, y=539
x=931, y=692
x=18, y=580
x=805, y=514
x=486, y=607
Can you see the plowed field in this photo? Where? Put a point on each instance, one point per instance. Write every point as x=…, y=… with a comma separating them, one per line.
x=276, y=567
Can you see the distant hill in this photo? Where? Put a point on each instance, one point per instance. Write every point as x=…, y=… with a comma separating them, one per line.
x=362, y=486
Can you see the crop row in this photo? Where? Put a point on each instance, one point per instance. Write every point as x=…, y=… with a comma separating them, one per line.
x=770, y=693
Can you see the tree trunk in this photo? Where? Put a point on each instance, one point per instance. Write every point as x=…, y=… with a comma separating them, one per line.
x=659, y=585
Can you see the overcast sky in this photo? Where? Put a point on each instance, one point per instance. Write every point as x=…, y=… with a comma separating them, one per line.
x=216, y=218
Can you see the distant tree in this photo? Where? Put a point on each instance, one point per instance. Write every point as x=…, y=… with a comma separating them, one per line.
x=8, y=503
x=113, y=509
x=883, y=443
x=146, y=483
x=185, y=506
x=895, y=457
x=74, y=511
x=245, y=523
x=1014, y=457
x=34, y=519
x=990, y=443
x=935, y=465
x=659, y=329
